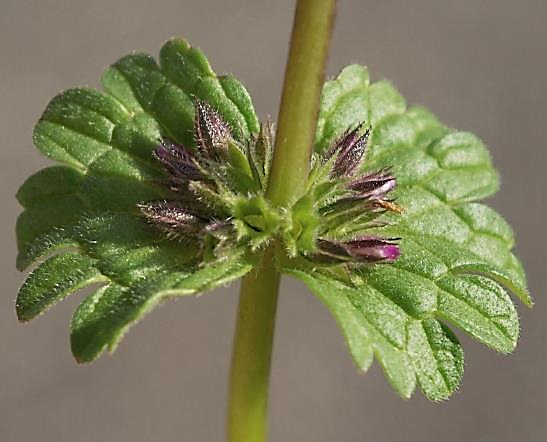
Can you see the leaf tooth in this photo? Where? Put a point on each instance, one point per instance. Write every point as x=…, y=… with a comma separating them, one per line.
x=55, y=240
x=364, y=312
x=53, y=280
x=437, y=357
x=103, y=318
x=480, y=307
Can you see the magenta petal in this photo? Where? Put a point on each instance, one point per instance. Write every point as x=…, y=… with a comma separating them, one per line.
x=390, y=252
x=366, y=249
x=373, y=249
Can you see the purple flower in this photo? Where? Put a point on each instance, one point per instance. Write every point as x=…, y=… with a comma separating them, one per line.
x=369, y=193
x=211, y=132
x=364, y=249
x=198, y=177
x=349, y=150
x=352, y=196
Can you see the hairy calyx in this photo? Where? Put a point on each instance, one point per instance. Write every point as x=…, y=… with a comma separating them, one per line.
x=219, y=202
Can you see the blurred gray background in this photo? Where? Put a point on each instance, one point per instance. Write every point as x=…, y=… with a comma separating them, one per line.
x=479, y=65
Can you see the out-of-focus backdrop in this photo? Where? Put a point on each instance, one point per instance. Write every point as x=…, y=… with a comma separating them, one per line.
x=479, y=65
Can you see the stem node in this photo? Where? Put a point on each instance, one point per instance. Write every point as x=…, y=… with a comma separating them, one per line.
x=297, y=119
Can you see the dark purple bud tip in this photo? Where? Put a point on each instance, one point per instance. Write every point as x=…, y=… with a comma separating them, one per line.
x=365, y=249
x=374, y=185
x=211, y=132
x=178, y=161
x=350, y=150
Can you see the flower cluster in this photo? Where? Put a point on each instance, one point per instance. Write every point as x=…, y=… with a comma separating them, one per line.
x=218, y=187
x=350, y=203
x=218, y=197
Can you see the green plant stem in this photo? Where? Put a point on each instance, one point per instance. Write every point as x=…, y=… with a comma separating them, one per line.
x=297, y=119
x=252, y=353
x=253, y=339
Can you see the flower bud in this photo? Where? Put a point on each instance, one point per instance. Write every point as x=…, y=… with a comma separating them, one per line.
x=374, y=185
x=349, y=149
x=211, y=132
x=178, y=162
x=365, y=249
x=172, y=219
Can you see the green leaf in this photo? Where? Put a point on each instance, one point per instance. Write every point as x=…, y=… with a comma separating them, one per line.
x=371, y=323
x=49, y=183
x=53, y=280
x=81, y=220
x=409, y=350
x=102, y=319
x=456, y=265
x=437, y=357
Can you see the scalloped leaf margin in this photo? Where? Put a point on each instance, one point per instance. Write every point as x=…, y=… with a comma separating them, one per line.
x=456, y=265
x=80, y=223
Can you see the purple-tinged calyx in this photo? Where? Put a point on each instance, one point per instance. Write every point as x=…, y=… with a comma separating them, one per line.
x=349, y=150
x=178, y=161
x=207, y=181
x=212, y=134
x=352, y=203
x=375, y=185
x=173, y=219
x=368, y=192
x=364, y=249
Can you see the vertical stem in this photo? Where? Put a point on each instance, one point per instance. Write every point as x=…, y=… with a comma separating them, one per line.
x=297, y=118
x=252, y=353
x=258, y=298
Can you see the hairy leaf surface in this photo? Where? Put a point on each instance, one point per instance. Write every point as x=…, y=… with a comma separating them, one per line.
x=80, y=220
x=81, y=225
x=456, y=265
